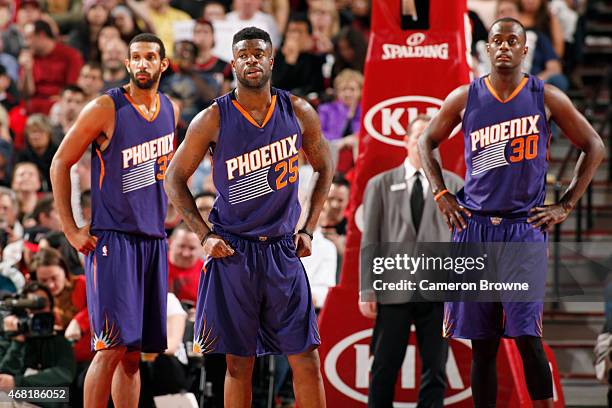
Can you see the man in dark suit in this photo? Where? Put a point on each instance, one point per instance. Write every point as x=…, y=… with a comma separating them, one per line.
x=399, y=208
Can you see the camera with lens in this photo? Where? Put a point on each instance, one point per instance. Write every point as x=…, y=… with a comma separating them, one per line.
x=31, y=321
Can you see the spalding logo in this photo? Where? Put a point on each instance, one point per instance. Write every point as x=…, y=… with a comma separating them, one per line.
x=392, y=116
x=354, y=352
x=414, y=50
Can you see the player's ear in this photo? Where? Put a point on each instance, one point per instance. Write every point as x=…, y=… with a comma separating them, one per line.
x=525, y=50
x=165, y=63
x=126, y=62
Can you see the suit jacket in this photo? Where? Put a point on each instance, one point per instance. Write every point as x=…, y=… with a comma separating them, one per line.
x=388, y=219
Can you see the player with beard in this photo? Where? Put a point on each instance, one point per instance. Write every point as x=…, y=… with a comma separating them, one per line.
x=131, y=134
x=255, y=298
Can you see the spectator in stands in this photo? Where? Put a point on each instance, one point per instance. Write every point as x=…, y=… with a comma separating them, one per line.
x=80, y=180
x=185, y=263
x=26, y=184
x=9, y=95
x=90, y=80
x=6, y=154
x=84, y=37
x=333, y=220
x=279, y=9
x=162, y=18
x=35, y=361
x=349, y=51
x=47, y=220
x=86, y=206
x=68, y=292
x=114, y=73
x=296, y=69
x=192, y=7
x=57, y=240
x=167, y=373
x=204, y=202
x=107, y=34
x=9, y=220
x=47, y=67
x=541, y=59
x=535, y=15
x=208, y=64
x=123, y=18
x=360, y=10
x=12, y=37
x=66, y=110
x=325, y=22
x=340, y=119
x=248, y=13
x=40, y=148
x=321, y=267
x=213, y=11
x=192, y=90
x=11, y=279
x=8, y=61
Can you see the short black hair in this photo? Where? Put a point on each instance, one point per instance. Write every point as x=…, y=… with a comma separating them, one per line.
x=42, y=27
x=148, y=38
x=300, y=17
x=192, y=45
x=251, y=33
x=74, y=89
x=44, y=205
x=340, y=180
x=35, y=286
x=509, y=20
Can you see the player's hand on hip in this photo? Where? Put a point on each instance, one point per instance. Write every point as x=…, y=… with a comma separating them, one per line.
x=82, y=240
x=454, y=214
x=303, y=245
x=548, y=215
x=216, y=247
x=368, y=309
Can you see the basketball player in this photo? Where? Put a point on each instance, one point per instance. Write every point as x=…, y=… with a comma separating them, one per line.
x=131, y=133
x=254, y=298
x=503, y=197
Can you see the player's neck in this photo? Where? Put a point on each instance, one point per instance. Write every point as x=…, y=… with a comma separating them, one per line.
x=144, y=97
x=505, y=83
x=253, y=99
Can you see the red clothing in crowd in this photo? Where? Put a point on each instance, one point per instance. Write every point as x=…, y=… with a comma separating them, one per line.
x=52, y=73
x=72, y=304
x=183, y=282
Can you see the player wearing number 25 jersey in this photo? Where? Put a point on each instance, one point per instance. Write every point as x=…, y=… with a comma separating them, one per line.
x=256, y=212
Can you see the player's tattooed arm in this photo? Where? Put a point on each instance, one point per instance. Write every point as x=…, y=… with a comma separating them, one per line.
x=202, y=132
x=318, y=154
x=580, y=132
x=95, y=123
x=439, y=129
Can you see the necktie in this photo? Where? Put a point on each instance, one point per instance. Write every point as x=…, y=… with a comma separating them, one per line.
x=416, y=201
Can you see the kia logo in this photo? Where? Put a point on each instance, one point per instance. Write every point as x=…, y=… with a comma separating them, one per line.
x=415, y=39
x=353, y=351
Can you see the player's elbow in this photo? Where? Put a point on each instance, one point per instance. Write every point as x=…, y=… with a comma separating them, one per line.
x=171, y=181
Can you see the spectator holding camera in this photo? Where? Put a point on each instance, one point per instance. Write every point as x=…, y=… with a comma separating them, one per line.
x=69, y=297
x=39, y=358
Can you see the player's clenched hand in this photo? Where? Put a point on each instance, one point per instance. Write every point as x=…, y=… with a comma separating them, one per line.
x=303, y=245
x=548, y=215
x=216, y=247
x=368, y=309
x=453, y=212
x=82, y=240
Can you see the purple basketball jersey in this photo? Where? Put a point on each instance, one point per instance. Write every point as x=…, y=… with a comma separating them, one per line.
x=506, y=145
x=127, y=177
x=256, y=169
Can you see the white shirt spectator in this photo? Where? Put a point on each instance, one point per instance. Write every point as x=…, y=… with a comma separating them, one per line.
x=321, y=267
x=174, y=308
x=225, y=30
